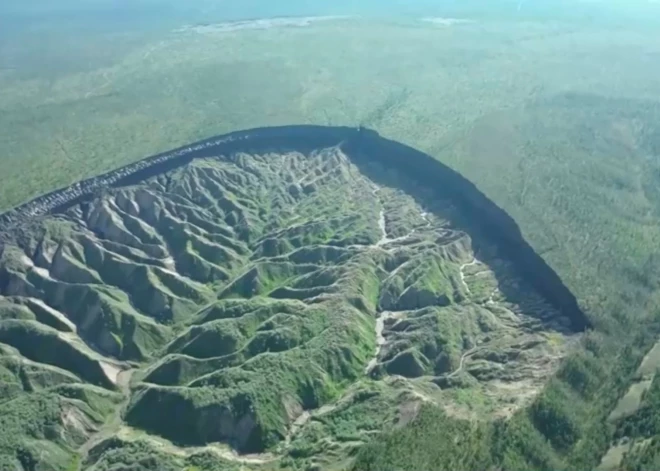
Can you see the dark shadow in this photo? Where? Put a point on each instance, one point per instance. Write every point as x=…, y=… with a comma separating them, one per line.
x=476, y=215
x=495, y=236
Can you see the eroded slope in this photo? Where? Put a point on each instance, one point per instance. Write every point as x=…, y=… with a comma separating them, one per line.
x=277, y=305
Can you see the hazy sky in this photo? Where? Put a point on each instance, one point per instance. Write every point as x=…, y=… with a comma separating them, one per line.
x=178, y=11
x=248, y=8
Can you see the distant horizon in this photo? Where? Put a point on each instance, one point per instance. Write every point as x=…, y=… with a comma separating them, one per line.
x=168, y=11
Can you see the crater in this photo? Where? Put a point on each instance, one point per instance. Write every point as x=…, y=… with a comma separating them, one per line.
x=256, y=282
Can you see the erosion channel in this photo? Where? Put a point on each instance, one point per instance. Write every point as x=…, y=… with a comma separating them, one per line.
x=274, y=294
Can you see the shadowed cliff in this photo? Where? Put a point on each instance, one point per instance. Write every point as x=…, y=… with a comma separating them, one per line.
x=477, y=211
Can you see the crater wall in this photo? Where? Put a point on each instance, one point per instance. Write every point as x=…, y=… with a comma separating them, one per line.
x=362, y=144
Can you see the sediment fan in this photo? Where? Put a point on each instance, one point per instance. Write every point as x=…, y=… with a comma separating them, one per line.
x=241, y=295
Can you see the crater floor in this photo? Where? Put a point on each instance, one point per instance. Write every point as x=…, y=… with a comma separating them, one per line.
x=261, y=307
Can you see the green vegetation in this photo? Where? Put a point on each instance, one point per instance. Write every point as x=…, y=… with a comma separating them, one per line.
x=252, y=300
x=434, y=442
x=48, y=426
x=281, y=357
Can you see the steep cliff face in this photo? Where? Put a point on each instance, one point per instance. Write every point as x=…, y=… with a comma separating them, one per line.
x=477, y=210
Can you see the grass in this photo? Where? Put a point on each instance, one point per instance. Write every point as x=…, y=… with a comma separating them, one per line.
x=612, y=460
x=631, y=402
x=651, y=362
